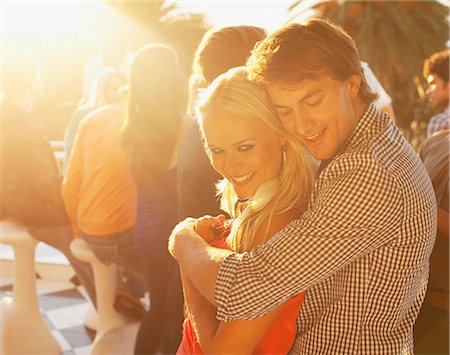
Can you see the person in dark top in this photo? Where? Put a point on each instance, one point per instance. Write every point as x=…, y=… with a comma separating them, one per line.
x=220, y=49
x=431, y=331
x=30, y=181
x=154, y=126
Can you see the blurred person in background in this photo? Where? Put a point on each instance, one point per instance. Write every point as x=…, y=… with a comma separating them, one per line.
x=154, y=127
x=431, y=331
x=219, y=50
x=107, y=92
x=112, y=53
x=30, y=180
x=100, y=199
x=435, y=71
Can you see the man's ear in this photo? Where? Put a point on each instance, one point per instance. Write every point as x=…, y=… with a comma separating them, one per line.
x=354, y=83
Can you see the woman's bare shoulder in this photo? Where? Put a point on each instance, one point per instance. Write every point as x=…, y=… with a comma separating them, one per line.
x=277, y=223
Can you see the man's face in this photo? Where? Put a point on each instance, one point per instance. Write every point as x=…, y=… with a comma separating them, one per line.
x=321, y=113
x=438, y=92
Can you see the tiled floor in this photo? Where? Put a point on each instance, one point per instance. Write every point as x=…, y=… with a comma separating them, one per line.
x=63, y=302
x=64, y=307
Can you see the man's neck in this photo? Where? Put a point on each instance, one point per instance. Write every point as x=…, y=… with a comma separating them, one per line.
x=359, y=107
x=443, y=107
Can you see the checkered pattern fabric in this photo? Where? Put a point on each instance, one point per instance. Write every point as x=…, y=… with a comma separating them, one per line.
x=439, y=122
x=360, y=251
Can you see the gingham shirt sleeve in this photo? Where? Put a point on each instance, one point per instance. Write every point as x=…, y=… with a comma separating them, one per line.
x=438, y=123
x=358, y=206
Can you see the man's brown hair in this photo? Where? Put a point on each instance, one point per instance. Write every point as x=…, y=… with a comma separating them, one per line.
x=224, y=48
x=305, y=51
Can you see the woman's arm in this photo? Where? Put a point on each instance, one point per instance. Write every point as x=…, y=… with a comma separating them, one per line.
x=237, y=337
x=202, y=313
x=214, y=337
x=240, y=336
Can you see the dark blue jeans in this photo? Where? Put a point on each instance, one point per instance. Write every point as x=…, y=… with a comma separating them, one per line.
x=120, y=249
x=162, y=327
x=60, y=237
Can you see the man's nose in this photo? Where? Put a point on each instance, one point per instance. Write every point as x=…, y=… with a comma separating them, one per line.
x=303, y=123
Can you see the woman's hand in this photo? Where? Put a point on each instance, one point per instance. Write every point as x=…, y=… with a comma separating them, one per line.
x=209, y=228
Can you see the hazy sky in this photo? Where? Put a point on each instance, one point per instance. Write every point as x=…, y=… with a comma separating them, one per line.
x=267, y=14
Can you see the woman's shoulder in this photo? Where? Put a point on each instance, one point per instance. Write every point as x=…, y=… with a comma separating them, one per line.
x=271, y=225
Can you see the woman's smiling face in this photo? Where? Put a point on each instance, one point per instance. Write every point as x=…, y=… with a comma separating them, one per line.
x=243, y=149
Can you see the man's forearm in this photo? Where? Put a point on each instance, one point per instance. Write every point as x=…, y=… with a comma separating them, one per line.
x=198, y=259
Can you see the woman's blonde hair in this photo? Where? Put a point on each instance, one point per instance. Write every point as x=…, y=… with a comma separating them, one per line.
x=234, y=93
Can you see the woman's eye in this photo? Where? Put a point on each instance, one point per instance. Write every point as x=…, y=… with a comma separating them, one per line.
x=245, y=147
x=215, y=150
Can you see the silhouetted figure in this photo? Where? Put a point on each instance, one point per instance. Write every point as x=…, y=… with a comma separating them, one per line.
x=219, y=50
x=155, y=125
x=30, y=180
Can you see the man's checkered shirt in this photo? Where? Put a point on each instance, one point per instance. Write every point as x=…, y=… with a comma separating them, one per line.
x=360, y=251
x=439, y=122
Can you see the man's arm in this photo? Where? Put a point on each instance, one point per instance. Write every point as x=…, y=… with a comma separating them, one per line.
x=196, y=257
x=355, y=213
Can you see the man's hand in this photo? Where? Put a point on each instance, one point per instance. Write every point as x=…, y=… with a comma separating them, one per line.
x=182, y=229
x=194, y=254
x=209, y=228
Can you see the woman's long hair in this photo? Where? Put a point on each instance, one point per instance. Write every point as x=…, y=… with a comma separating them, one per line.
x=155, y=109
x=233, y=92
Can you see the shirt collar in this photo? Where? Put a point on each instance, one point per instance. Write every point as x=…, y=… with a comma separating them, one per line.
x=362, y=131
x=447, y=109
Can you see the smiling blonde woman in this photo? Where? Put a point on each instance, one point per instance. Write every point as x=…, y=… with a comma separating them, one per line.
x=267, y=180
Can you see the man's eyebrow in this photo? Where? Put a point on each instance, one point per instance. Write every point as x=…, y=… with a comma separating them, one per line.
x=308, y=95
x=302, y=99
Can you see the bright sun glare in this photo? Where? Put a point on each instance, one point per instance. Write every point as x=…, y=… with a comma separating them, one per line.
x=29, y=26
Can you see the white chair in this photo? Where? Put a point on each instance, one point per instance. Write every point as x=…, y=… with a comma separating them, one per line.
x=115, y=333
x=23, y=330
